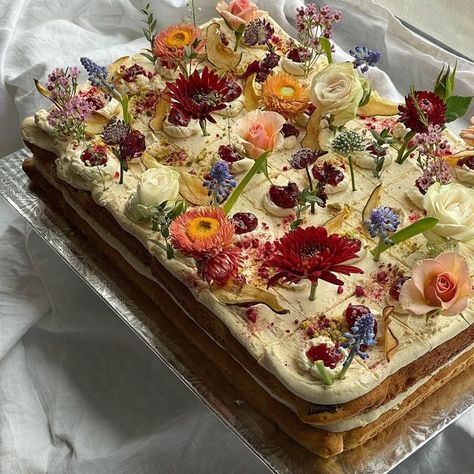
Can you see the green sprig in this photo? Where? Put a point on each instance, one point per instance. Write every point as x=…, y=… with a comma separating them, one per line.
x=259, y=165
x=149, y=31
x=419, y=227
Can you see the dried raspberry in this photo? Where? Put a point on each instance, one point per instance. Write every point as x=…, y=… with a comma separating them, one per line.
x=252, y=314
x=284, y=196
x=329, y=355
x=244, y=222
x=354, y=312
x=176, y=117
x=229, y=153
x=395, y=289
x=289, y=130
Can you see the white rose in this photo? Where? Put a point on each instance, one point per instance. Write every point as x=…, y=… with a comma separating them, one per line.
x=453, y=205
x=156, y=185
x=337, y=90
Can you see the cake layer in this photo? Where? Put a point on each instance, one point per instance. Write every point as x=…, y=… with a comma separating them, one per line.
x=387, y=390
x=321, y=442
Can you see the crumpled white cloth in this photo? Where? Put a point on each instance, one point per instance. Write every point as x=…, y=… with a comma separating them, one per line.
x=78, y=392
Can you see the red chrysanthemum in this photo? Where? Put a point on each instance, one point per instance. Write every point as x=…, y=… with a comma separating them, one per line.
x=313, y=254
x=222, y=267
x=421, y=110
x=199, y=95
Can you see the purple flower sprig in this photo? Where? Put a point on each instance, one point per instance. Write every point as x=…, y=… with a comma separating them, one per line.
x=382, y=221
x=220, y=182
x=126, y=143
x=302, y=160
x=364, y=57
x=69, y=120
x=362, y=335
x=314, y=24
x=99, y=77
x=62, y=85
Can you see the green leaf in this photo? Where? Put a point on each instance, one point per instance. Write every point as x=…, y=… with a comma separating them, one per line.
x=259, y=164
x=456, y=107
x=148, y=56
x=422, y=225
x=326, y=45
x=153, y=26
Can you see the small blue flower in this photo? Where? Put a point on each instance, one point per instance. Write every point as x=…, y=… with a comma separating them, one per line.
x=97, y=74
x=362, y=334
x=364, y=57
x=382, y=221
x=219, y=181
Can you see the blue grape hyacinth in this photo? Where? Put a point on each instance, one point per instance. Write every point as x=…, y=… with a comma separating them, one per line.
x=364, y=57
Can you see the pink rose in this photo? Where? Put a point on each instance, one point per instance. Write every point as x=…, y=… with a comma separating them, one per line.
x=260, y=131
x=442, y=284
x=237, y=13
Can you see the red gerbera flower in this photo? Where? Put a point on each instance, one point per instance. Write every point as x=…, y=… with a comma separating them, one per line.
x=313, y=254
x=201, y=94
x=422, y=109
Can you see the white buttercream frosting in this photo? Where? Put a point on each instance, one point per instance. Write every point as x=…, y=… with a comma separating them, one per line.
x=178, y=131
x=275, y=210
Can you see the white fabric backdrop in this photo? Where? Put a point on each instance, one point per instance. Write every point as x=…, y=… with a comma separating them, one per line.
x=78, y=393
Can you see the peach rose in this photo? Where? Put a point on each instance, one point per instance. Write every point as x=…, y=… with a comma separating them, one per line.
x=442, y=284
x=260, y=131
x=237, y=13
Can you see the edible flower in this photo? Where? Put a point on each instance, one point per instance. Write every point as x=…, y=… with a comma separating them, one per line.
x=220, y=182
x=310, y=253
x=364, y=57
x=438, y=286
x=362, y=334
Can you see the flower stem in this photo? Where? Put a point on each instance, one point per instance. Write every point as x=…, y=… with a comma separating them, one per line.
x=311, y=188
x=238, y=37
x=121, y=173
x=347, y=362
x=378, y=250
x=325, y=375
x=351, y=169
x=203, y=125
x=312, y=293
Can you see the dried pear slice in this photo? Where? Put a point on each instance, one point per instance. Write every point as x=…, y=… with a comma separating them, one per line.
x=334, y=224
x=95, y=124
x=239, y=294
x=311, y=139
x=191, y=188
x=115, y=66
x=218, y=54
x=378, y=106
x=251, y=95
x=161, y=110
x=452, y=160
x=390, y=341
x=372, y=203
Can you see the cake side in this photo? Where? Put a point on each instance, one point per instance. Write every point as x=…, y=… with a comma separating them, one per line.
x=319, y=441
x=389, y=389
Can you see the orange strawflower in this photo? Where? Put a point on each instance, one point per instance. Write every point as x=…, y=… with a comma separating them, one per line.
x=202, y=232
x=282, y=93
x=169, y=43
